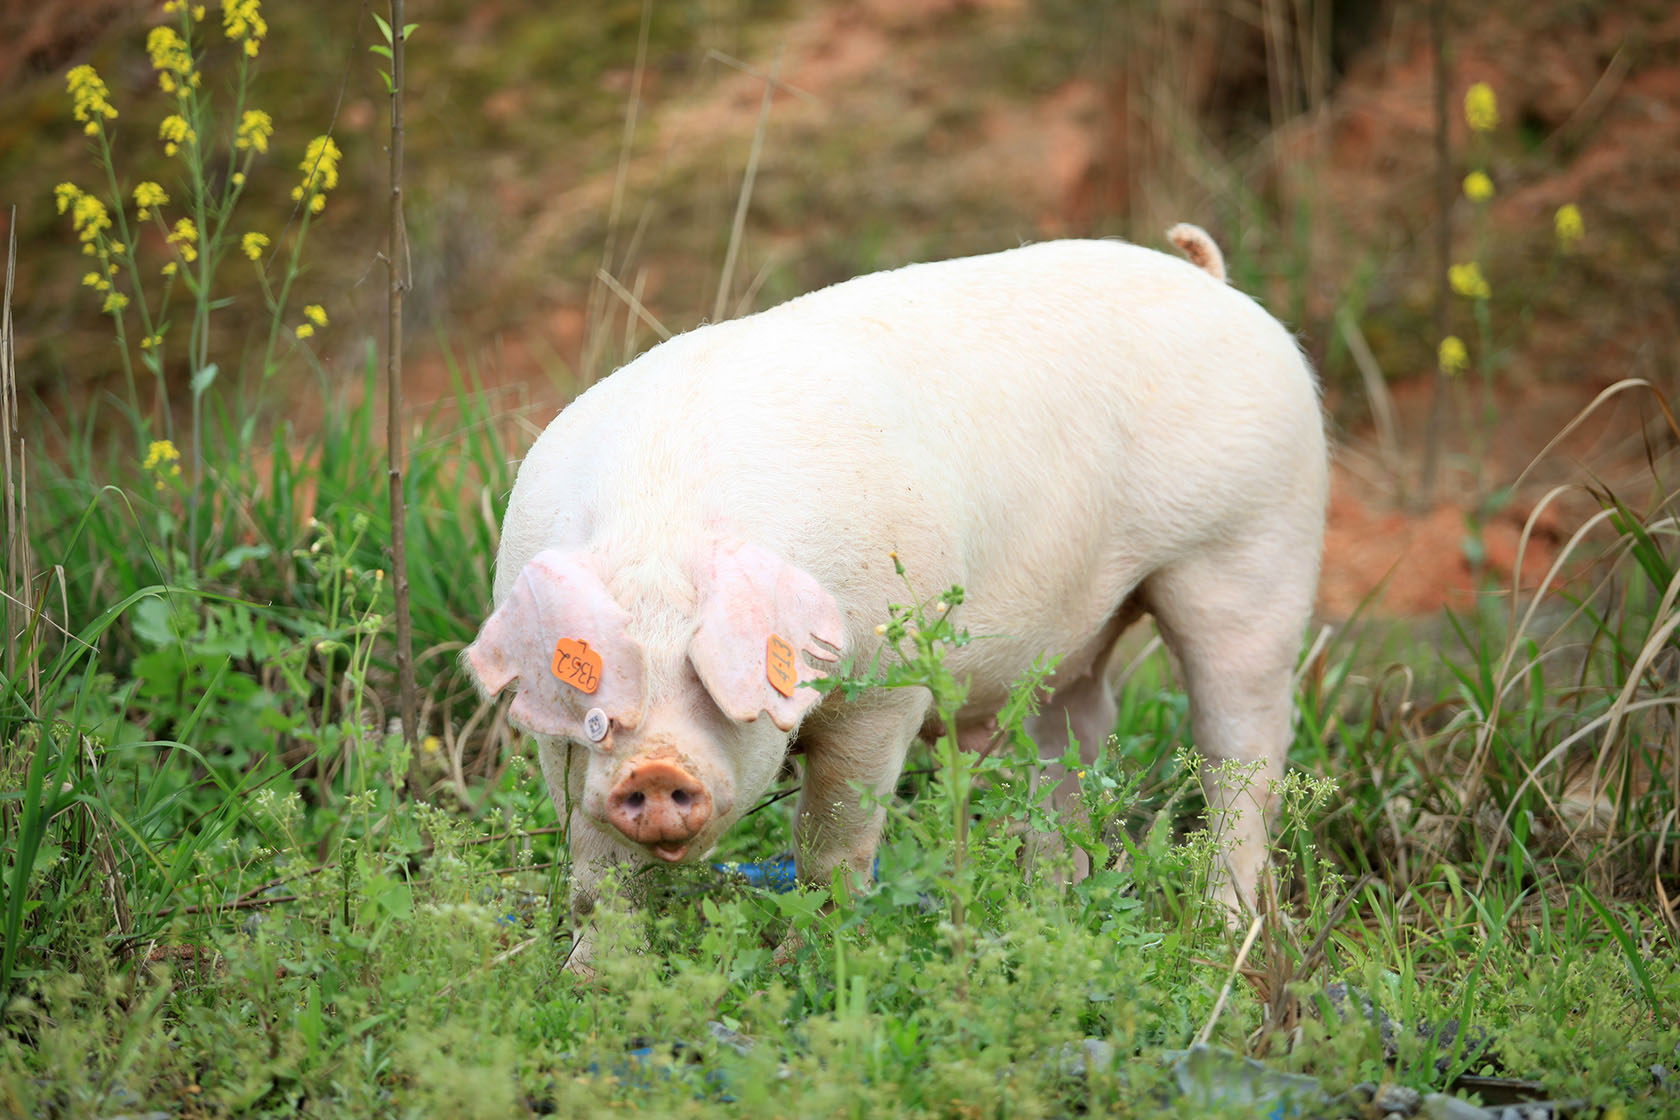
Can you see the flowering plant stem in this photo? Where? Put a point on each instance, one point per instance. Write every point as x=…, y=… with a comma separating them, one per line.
x=1443, y=253
x=396, y=257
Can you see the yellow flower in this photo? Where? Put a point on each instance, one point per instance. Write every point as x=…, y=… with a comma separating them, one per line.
x=305, y=330
x=90, y=219
x=92, y=280
x=162, y=461
x=89, y=98
x=1568, y=226
x=170, y=58
x=320, y=172
x=1478, y=187
x=430, y=744
x=160, y=453
x=316, y=314
x=148, y=195
x=255, y=127
x=114, y=302
x=243, y=22
x=1481, y=108
x=239, y=178
x=169, y=268
x=151, y=341
x=1452, y=357
x=1467, y=281
x=66, y=193
x=185, y=239
x=253, y=244
x=174, y=131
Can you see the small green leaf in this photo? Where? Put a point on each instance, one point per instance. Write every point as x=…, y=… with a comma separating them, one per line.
x=409, y=30
x=382, y=51
x=384, y=28
x=204, y=378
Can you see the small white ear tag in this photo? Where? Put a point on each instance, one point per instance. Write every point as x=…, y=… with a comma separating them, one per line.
x=595, y=725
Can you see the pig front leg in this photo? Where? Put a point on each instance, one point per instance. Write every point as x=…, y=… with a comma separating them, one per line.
x=852, y=763
x=594, y=849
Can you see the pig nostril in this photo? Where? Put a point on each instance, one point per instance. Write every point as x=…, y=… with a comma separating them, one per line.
x=635, y=800
x=680, y=797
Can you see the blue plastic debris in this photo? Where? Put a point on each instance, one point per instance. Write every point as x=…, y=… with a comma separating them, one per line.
x=770, y=874
x=642, y=1065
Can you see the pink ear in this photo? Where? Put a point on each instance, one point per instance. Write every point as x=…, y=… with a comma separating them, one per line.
x=559, y=598
x=748, y=595
x=488, y=657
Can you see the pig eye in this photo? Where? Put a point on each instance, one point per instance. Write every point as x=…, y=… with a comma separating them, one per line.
x=596, y=725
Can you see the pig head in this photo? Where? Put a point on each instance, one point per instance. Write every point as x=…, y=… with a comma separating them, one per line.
x=673, y=745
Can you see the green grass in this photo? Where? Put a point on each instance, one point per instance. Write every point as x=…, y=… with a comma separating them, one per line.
x=218, y=898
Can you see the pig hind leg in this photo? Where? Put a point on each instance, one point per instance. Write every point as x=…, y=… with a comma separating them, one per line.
x=1082, y=711
x=1234, y=617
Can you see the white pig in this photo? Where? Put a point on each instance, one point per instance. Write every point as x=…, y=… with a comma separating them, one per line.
x=1075, y=432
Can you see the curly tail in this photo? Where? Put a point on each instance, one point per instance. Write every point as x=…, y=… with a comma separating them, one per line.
x=1194, y=243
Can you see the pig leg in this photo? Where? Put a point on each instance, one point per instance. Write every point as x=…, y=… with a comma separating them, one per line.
x=1085, y=709
x=862, y=746
x=1234, y=617
x=593, y=849
x=1080, y=710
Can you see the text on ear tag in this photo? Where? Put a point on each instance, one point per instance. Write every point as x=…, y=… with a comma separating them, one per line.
x=577, y=664
x=779, y=666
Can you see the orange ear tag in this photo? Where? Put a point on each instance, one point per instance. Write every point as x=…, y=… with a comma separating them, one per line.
x=779, y=666
x=577, y=664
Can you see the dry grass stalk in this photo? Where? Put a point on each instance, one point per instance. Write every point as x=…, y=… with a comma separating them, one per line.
x=738, y=227
x=18, y=580
x=595, y=312
x=1206, y=1032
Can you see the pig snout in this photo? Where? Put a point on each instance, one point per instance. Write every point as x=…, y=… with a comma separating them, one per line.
x=660, y=804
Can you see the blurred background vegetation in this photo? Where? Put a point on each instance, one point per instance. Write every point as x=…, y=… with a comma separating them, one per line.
x=1299, y=132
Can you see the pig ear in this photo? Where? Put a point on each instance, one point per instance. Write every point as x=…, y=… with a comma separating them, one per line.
x=489, y=657
x=759, y=618
x=558, y=604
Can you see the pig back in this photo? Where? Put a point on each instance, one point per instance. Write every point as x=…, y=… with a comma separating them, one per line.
x=1044, y=426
